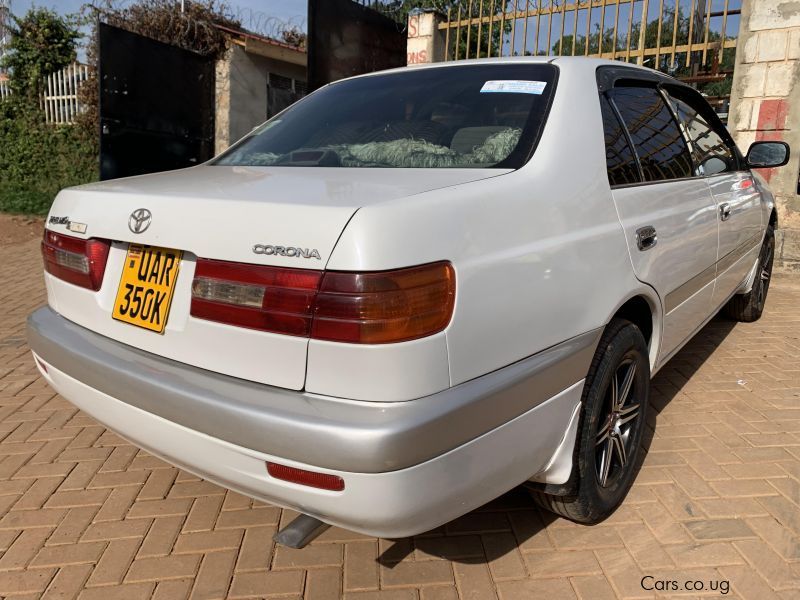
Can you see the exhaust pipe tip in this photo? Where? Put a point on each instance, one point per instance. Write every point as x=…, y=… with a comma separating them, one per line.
x=300, y=532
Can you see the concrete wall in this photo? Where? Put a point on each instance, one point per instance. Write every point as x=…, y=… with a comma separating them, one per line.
x=425, y=40
x=241, y=94
x=765, y=104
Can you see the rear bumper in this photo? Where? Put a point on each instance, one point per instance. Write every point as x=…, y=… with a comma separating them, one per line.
x=408, y=466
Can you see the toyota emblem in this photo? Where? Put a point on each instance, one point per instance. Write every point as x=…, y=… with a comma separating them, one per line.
x=140, y=220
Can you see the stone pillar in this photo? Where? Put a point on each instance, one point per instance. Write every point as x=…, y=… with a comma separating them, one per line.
x=765, y=105
x=222, y=103
x=425, y=39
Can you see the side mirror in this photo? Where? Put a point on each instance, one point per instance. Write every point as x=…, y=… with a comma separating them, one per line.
x=713, y=165
x=764, y=155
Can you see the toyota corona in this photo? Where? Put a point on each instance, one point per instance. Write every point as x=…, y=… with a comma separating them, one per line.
x=413, y=290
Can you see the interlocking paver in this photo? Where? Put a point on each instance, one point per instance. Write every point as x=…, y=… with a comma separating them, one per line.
x=84, y=514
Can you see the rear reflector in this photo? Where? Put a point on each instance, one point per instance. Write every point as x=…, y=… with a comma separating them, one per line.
x=77, y=261
x=360, y=308
x=323, y=481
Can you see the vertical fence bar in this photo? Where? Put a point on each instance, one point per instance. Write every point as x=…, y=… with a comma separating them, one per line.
x=643, y=32
x=630, y=31
x=447, y=37
x=458, y=31
x=602, y=29
x=513, y=28
x=563, y=17
x=549, y=27
x=69, y=96
x=537, y=41
x=502, y=26
x=48, y=113
x=480, y=27
x=616, y=23
x=75, y=85
x=54, y=102
x=469, y=28
x=723, y=35
x=525, y=27
x=707, y=24
x=691, y=34
x=674, y=34
x=660, y=29
x=63, y=84
x=575, y=28
x=491, y=26
x=60, y=94
x=588, y=28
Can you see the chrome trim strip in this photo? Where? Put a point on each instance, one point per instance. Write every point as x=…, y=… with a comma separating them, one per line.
x=355, y=436
x=686, y=290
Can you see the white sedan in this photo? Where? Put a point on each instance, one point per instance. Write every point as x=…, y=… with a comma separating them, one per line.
x=413, y=290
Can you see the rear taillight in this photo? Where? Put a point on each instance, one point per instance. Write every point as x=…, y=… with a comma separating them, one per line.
x=362, y=308
x=266, y=298
x=77, y=261
x=383, y=307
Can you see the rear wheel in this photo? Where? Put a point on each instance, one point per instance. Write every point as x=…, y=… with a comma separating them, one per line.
x=615, y=400
x=749, y=307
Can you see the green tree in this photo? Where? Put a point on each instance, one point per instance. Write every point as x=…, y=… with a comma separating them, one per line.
x=41, y=43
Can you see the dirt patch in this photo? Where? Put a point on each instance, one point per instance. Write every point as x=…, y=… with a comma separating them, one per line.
x=16, y=229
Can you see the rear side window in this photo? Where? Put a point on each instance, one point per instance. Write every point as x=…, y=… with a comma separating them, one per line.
x=620, y=160
x=662, y=151
x=712, y=153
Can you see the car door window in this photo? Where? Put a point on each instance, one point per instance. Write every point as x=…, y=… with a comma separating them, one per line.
x=659, y=143
x=713, y=155
x=620, y=159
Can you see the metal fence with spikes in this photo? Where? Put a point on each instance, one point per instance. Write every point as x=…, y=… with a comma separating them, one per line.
x=693, y=40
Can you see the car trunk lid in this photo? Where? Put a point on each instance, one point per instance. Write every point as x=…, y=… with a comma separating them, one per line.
x=285, y=217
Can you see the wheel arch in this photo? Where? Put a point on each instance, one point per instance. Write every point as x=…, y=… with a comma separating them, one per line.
x=643, y=308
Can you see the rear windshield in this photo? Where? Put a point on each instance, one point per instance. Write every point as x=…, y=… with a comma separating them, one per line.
x=469, y=116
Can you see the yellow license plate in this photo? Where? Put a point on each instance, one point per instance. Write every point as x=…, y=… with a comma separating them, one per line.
x=145, y=289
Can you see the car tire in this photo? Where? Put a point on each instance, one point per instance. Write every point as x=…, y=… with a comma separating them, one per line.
x=749, y=307
x=609, y=431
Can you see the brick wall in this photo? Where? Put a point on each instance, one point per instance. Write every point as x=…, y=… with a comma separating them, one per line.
x=765, y=104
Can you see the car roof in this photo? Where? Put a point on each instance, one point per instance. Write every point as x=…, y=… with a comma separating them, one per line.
x=565, y=62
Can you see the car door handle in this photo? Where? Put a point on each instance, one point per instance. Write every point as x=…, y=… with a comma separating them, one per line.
x=646, y=237
x=724, y=211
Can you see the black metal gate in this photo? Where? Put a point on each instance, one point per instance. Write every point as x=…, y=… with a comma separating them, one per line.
x=156, y=105
x=346, y=39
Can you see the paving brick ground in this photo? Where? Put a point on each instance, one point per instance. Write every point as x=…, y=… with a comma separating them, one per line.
x=84, y=514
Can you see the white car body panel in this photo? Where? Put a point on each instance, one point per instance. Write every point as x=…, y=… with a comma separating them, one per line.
x=520, y=243
x=685, y=218
x=745, y=224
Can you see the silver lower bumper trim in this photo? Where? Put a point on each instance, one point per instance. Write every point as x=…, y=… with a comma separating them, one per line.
x=355, y=436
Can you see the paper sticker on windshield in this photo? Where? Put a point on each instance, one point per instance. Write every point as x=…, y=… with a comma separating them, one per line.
x=514, y=86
